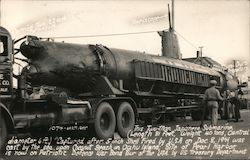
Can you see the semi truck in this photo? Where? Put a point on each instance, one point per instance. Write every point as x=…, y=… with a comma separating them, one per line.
x=109, y=89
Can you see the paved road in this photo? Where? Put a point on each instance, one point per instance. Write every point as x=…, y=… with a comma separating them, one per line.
x=185, y=123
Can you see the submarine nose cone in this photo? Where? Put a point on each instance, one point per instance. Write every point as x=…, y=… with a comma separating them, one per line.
x=31, y=49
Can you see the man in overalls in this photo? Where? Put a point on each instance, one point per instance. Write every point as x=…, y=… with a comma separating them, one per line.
x=211, y=97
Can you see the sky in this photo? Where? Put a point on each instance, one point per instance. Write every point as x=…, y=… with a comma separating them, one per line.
x=221, y=27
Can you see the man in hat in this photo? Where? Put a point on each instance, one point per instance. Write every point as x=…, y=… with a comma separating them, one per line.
x=211, y=98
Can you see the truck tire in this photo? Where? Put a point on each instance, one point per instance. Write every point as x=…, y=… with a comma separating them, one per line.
x=125, y=119
x=105, y=121
x=3, y=132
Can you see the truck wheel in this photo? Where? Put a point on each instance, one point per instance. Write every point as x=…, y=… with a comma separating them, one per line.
x=3, y=132
x=104, y=121
x=125, y=119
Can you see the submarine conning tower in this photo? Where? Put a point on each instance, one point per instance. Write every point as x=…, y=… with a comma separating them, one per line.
x=170, y=45
x=169, y=40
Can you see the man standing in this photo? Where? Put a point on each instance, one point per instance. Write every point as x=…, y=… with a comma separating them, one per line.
x=211, y=97
x=237, y=106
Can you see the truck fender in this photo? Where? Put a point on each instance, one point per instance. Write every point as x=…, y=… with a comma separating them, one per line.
x=7, y=115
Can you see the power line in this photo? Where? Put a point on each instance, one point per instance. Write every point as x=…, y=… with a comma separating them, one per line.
x=118, y=34
x=102, y=35
x=186, y=40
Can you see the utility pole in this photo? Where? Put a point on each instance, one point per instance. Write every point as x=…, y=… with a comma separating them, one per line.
x=234, y=64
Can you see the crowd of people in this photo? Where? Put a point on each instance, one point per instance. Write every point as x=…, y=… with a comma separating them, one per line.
x=232, y=103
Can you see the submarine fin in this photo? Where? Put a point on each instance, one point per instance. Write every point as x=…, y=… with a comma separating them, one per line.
x=169, y=41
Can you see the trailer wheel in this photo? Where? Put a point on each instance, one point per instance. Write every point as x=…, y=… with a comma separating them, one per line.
x=3, y=132
x=104, y=121
x=125, y=119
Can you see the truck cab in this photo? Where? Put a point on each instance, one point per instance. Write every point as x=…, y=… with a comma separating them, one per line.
x=6, y=58
x=6, y=84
